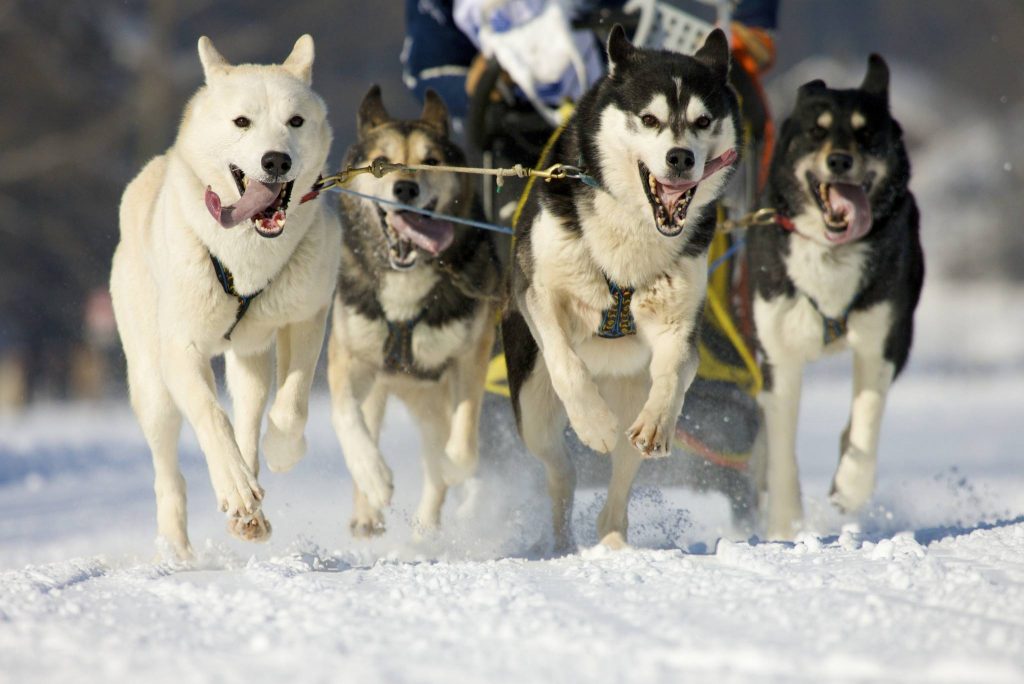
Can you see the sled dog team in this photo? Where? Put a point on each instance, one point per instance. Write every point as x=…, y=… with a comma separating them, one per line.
x=223, y=252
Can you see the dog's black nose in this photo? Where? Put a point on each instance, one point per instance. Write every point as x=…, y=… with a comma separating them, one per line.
x=680, y=159
x=276, y=163
x=840, y=162
x=406, y=191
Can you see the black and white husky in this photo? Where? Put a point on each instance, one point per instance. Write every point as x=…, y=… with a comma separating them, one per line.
x=842, y=269
x=414, y=312
x=609, y=278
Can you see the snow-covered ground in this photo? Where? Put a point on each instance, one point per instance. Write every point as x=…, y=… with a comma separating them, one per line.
x=926, y=584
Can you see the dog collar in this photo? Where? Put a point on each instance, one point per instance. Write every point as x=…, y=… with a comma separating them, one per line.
x=314, y=191
x=227, y=281
x=785, y=223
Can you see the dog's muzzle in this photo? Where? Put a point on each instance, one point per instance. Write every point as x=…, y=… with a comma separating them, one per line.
x=265, y=204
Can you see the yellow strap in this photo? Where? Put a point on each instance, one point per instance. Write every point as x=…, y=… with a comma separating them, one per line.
x=564, y=112
x=497, y=377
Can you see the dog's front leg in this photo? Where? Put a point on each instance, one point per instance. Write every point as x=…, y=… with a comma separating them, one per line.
x=298, y=349
x=351, y=382
x=854, y=480
x=673, y=366
x=190, y=380
x=468, y=376
x=593, y=421
x=248, y=380
x=781, y=404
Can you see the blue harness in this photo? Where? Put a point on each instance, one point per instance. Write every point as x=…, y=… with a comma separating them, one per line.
x=617, y=320
x=832, y=328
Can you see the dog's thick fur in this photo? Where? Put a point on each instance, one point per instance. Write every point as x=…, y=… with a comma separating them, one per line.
x=446, y=303
x=843, y=138
x=573, y=239
x=172, y=312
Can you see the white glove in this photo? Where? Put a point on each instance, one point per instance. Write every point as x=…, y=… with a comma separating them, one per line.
x=534, y=42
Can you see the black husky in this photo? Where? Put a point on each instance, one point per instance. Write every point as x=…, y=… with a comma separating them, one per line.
x=841, y=267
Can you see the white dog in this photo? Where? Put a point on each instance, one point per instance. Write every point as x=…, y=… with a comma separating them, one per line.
x=196, y=275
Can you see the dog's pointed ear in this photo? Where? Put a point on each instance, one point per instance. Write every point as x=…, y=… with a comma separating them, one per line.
x=300, y=62
x=715, y=53
x=213, y=62
x=620, y=50
x=810, y=88
x=435, y=112
x=371, y=111
x=876, y=81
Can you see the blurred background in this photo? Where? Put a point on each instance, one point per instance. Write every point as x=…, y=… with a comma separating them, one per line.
x=95, y=88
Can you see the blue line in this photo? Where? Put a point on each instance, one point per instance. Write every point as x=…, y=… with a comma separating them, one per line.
x=725, y=257
x=425, y=212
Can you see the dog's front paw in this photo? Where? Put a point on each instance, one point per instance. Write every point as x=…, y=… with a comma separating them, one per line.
x=596, y=426
x=373, y=477
x=651, y=434
x=783, y=521
x=368, y=524
x=460, y=464
x=238, y=492
x=282, y=450
x=254, y=528
x=854, y=481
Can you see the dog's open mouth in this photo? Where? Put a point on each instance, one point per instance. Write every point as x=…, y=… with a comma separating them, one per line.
x=265, y=204
x=409, y=233
x=670, y=200
x=844, y=207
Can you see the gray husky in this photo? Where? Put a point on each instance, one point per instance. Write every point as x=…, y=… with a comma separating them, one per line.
x=609, y=279
x=414, y=313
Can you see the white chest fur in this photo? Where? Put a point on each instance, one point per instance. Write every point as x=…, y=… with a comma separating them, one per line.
x=830, y=274
x=573, y=271
x=402, y=292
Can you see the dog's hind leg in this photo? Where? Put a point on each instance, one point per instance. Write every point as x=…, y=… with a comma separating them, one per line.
x=368, y=521
x=781, y=406
x=352, y=381
x=248, y=379
x=468, y=376
x=298, y=349
x=542, y=421
x=854, y=480
x=160, y=421
x=626, y=396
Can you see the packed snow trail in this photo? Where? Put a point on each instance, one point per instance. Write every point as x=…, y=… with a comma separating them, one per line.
x=926, y=584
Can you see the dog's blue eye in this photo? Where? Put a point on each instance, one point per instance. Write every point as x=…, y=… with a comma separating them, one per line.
x=243, y=122
x=703, y=121
x=649, y=120
x=296, y=121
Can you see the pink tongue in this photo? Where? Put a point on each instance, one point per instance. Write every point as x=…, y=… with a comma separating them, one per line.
x=669, y=194
x=258, y=196
x=426, y=233
x=851, y=201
